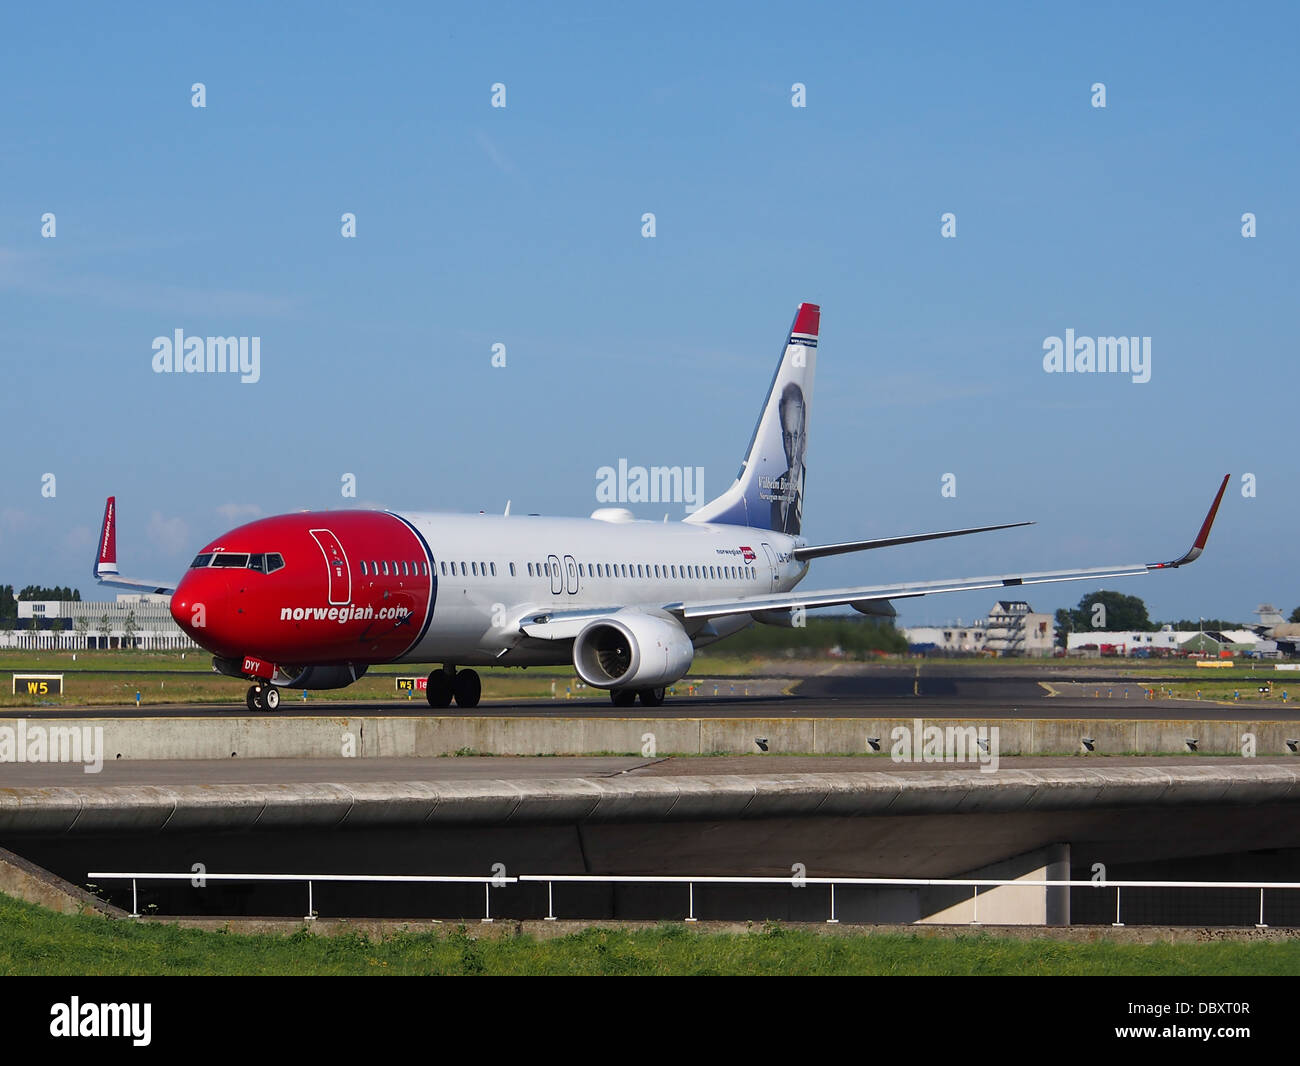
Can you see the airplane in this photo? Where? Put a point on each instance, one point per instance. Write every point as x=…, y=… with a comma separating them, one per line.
x=312, y=600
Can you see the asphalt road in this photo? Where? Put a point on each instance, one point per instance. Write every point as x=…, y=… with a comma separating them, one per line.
x=523, y=768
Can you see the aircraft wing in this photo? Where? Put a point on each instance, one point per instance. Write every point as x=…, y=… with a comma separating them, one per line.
x=105, y=569
x=865, y=594
x=819, y=551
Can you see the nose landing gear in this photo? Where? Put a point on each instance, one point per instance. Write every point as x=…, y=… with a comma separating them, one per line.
x=263, y=698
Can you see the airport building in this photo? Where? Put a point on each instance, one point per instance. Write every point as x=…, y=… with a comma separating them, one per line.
x=134, y=620
x=1168, y=641
x=1012, y=628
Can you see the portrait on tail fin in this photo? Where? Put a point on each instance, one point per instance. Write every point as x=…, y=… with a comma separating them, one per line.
x=786, y=492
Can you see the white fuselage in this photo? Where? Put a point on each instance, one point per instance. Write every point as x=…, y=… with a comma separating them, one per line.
x=493, y=570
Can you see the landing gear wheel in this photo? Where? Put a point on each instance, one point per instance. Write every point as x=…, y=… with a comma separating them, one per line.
x=651, y=697
x=254, y=699
x=622, y=697
x=271, y=698
x=468, y=688
x=439, y=689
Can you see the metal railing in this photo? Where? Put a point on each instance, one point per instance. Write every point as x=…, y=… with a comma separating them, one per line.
x=488, y=883
x=501, y=880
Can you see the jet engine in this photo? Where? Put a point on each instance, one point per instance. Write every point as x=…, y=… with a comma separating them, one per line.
x=632, y=649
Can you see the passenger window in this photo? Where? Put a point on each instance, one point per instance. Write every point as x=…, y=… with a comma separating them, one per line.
x=512, y=569
x=363, y=568
x=494, y=569
x=474, y=566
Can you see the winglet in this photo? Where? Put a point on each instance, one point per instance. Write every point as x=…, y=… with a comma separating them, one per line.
x=106, y=558
x=1198, y=546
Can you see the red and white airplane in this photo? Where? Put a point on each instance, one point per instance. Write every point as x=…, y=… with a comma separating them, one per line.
x=311, y=600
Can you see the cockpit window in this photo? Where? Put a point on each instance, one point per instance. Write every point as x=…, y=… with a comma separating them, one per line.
x=274, y=562
x=201, y=561
x=257, y=561
x=233, y=559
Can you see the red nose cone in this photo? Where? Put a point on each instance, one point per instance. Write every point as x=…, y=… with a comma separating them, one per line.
x=200, y=605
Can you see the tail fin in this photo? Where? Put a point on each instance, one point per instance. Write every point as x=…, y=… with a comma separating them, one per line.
x=106, y=558
x=768, y=490
x=105, y=570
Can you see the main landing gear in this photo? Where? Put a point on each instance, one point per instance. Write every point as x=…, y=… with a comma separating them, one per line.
x=263, y=698
x=449, y=683
x=625, y=697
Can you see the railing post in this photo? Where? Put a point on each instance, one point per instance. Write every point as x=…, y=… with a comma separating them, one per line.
x=1117, y=923
x=975, y=900
x=311, y=905
x=135, y=901
x=487, y=901
x=691, y=916
x=1260, y=924
x=832, y=920
x=550, y=901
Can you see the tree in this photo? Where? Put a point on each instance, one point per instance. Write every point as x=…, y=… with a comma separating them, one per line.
x=1295, y=615
x=1064, y=626
x=1108, y=611
x=129, y=629
x=105, y=627
x=80, y=626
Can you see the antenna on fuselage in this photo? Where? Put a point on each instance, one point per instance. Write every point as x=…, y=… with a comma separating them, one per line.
x=507, y=506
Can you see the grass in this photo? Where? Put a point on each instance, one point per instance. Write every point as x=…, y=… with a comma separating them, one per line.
x=37, y=941
x=99, y=678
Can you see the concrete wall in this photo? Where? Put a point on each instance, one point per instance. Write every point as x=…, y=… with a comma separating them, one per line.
x=25, y=880
x=285, y=736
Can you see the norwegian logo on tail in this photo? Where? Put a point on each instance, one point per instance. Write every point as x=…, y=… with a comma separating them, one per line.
x=769, y=489
x=106, y=561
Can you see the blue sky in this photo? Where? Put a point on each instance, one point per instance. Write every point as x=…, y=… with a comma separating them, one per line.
x=522, y=226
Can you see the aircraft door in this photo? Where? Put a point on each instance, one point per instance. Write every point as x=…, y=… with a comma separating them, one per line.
x=570, y=575
x=771, y=563
x=336, y=562
x=557, y=575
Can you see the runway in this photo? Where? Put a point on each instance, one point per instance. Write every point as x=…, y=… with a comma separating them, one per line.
x=933, y=691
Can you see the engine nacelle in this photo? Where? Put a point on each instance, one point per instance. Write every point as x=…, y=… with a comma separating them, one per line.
x=335, y=675
x=331, y=675
x=633, y=649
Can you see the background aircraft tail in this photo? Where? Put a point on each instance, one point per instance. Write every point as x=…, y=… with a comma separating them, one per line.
x=768, y=491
